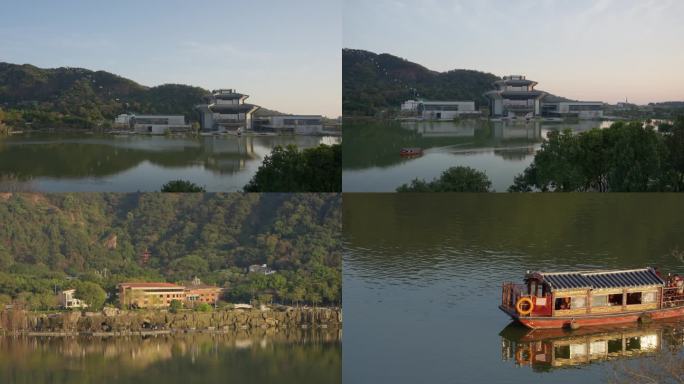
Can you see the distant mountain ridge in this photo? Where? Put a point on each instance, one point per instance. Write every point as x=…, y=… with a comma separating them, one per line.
x=374, y=82
x=81, y=98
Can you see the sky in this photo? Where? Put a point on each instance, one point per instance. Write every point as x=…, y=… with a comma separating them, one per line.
x=592, y=50
x=285, y=54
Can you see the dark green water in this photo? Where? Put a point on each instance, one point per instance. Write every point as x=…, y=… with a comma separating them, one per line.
x=423, y=274
x=297, y=358
x=371, y=161
x=108, y=163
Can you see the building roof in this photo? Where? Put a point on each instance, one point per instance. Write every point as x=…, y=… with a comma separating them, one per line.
x=150, y=285
x=600, y=279
x=196, y=283
x=445, y=102
x=516, y=82
x=232, y=108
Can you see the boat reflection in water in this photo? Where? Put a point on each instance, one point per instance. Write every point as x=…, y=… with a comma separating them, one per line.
x=545, y=349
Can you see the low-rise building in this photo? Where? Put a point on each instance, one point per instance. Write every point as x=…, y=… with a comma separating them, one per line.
x=145, y=295
x=197, y=292
x=159, y=124
x=580, y=109
x=123, y=121
x=445, y=110
x=410, y=106
x=152, y=124
x=68, y=300
x=263, y=269
x=295, y=124
x=160, y=295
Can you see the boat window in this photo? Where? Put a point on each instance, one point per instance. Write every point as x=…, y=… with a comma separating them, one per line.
x=648, y=297
x=562, y=303
x=615, y=300
x=599, y=301
x=614, y=345
x=579, y=302
x=633, y=344
x=562, y=352
x=634, y=298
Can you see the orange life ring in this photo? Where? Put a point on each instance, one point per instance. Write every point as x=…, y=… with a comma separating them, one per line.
x=519, y=306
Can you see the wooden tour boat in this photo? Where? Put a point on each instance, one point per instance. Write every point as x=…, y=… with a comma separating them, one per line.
x=408, y=152
x=590, y=298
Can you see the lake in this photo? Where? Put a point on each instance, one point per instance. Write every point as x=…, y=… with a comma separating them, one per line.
x=298, y=357
x=131, y=163
x=423, y=274
x=371, y=161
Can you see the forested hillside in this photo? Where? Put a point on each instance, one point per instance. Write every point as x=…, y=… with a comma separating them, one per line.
x=53, y=241
x=374, y=82
x=81, y=98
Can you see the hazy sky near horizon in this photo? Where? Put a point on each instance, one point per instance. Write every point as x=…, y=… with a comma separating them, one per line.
x=285, y=54
x=604, y=50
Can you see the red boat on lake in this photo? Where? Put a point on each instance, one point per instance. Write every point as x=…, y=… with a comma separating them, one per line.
x=410, y=152
x=590, y=298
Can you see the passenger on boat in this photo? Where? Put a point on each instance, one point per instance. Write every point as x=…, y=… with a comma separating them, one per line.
x=566, y=303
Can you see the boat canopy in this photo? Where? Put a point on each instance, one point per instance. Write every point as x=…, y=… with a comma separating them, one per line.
x=645, y=277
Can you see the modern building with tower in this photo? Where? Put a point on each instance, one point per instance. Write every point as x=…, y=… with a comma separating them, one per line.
x=515, y=96
x=225, y=110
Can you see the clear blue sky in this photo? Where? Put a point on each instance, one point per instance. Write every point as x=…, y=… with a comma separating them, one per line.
x=582, y=49
x=285, y=54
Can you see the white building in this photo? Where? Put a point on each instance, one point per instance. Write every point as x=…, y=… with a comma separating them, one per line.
x=445, y=110
x=580, y=109
x=410, y=105
x=152, y=124
x=297, y=124
x=123, y=121
x=67, y=300
x=226, y=110
x=159, y=124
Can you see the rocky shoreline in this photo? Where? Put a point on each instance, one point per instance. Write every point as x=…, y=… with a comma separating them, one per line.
x=146, y=322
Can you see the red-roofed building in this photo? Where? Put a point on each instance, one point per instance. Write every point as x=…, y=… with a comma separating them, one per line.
x=143, y=295
x=197, y=292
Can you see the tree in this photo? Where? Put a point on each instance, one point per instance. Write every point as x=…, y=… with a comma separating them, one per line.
x=3, y=128
x=622, y=158
x=454, y=179
x=674, y=141
x=188, y=267
x=287, y=169
x=182, y=186
x=92, y=294
x=175, y=306
x=203, y=307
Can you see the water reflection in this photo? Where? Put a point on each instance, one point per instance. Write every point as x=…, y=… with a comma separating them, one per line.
x=543, y=350
x=502, y=149
x=291, y=357
x=130, y=163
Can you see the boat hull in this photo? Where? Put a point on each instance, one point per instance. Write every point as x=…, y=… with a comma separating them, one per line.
x=549, y=322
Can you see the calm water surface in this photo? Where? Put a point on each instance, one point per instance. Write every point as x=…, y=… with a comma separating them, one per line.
x=131, y=163
x=423, y=274
x=295, y=358
x=371, y=160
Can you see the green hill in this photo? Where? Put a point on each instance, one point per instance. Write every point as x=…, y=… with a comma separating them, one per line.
x=374, y=82
x=81, y=98
x=48, y=240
